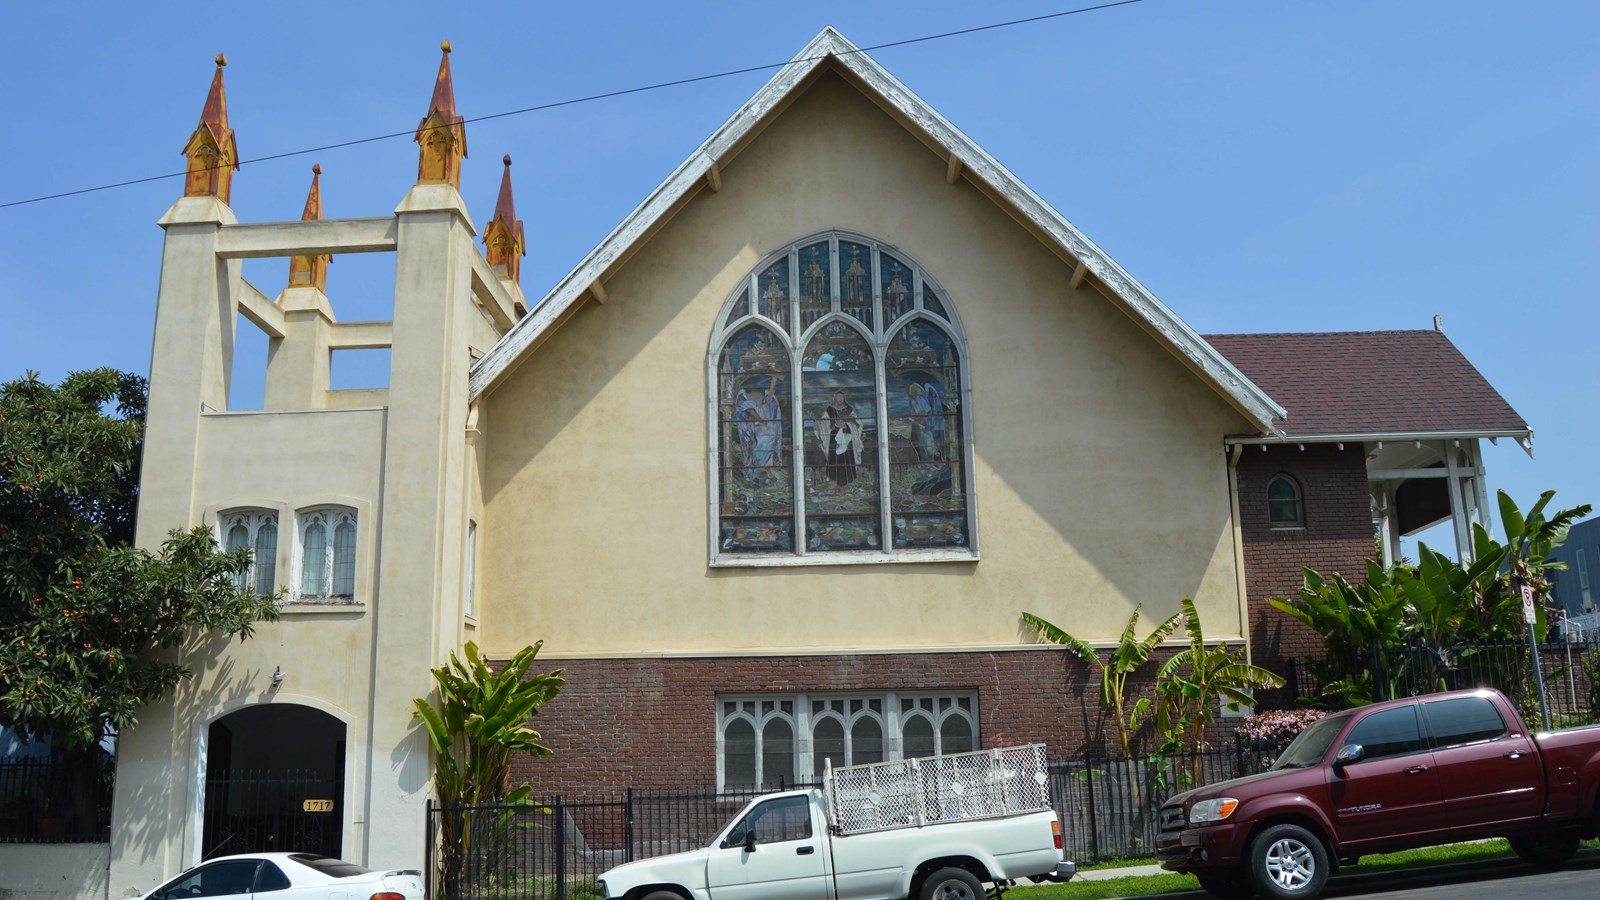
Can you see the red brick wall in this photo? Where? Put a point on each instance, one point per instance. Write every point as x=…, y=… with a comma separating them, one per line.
x=652, y=722
x=1337, y=537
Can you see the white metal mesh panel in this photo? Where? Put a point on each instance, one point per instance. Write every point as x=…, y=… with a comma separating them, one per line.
x=976, y=785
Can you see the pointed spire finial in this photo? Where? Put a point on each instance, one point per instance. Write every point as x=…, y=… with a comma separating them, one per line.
x=211, y=153
x=502, y=237
x=441, y=132
x=311, y=271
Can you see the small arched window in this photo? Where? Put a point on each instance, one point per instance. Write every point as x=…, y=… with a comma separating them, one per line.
x=255, y=530
x=326, y=554
x=1284, y=506
x=839, y=401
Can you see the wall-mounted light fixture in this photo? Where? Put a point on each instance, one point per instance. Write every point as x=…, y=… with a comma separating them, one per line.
x=277, y=675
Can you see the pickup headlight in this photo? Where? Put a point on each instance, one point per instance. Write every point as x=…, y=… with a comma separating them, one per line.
x=1207, y=811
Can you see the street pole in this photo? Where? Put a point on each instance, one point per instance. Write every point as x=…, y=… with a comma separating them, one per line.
x=1533, y=647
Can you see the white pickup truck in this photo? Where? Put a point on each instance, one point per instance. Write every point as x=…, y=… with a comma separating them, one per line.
x=937, y=828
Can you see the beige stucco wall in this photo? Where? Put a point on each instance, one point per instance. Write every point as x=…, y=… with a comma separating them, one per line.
x=273, y=460
x=1099, y=467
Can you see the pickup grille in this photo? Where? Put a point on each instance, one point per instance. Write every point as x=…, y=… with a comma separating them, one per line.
x=1172, y=818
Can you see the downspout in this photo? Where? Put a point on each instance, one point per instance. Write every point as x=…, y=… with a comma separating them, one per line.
x=1235, y=453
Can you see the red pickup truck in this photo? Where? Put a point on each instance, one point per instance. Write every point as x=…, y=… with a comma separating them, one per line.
x=1391, y=776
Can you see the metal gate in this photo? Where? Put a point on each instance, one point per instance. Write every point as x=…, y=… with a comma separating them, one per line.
x=289, y=810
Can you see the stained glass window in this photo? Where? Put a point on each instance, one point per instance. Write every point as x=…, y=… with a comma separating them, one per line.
x=239, y=539
x=327, y=556
x=841, y=440
x=266, y=561
x=255, y=530
x=816, y=285
x=925, y=447
x=755, y=465
x=344, y=559
x=839, y=381
x=773, y=293
x=314, y=571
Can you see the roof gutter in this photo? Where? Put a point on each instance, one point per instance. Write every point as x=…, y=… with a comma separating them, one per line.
x=1523, y=437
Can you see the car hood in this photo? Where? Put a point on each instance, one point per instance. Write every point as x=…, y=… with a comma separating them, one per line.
x=687, y=868
x=1252, y=786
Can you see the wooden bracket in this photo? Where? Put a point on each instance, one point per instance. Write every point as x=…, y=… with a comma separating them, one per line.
x=953, y=169
x=1078, y=274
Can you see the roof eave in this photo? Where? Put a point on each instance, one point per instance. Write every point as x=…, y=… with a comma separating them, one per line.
x=1523, y=436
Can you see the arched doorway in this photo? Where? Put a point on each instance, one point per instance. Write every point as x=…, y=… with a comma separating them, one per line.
x=274, y=782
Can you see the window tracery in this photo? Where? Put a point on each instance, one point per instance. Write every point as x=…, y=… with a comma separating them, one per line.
x=840, y=413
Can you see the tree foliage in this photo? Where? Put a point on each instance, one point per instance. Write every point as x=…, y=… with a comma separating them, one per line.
x=83, y=615
x=1435, y=610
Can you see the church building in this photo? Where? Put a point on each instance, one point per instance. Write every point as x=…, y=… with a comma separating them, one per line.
x=773, y=473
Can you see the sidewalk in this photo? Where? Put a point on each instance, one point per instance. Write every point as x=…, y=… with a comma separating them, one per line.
x=1104, y=874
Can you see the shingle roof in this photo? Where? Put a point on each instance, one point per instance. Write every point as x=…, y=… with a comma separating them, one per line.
x=1370, y=382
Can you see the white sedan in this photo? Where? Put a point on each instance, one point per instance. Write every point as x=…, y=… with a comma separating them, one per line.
x=289, y=876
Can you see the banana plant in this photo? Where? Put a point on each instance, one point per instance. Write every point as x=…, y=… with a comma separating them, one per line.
x=480, y=723
x=1126, y=658
x=1195, y=680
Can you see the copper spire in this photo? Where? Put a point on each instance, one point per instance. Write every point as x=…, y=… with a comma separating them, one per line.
x=311, y=271
x=211, y=151
x=502, y=237
x=441, y=132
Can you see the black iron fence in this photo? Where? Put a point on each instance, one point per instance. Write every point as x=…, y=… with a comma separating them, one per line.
x=555, y=848
x=44, y=801
x=251, y=811
x=1110, y=806
x=1570, y=672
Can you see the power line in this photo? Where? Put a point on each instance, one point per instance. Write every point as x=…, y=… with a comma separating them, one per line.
x=593, y=97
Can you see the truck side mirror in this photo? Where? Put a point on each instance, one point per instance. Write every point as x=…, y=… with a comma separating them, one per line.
x=750, y=841
x=1349, y=753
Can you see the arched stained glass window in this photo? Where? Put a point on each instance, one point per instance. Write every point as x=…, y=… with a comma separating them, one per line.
x=327, y=554
x=255, y=530
x=314, y=572
x=344, y=559
x=266, y=557
x=755, y=458
x=839, y=383
x=839, y=379
x=239, y=539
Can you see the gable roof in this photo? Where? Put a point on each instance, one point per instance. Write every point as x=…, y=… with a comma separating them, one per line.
x=1373, y=384
x=830, y=48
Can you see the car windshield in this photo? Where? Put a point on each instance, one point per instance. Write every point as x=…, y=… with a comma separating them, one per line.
x=1308, y=749
x=336, y=868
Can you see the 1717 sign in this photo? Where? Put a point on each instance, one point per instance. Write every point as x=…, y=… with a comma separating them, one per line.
x=317, y=806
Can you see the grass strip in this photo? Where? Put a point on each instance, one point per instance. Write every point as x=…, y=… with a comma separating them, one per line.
x=1171, y=883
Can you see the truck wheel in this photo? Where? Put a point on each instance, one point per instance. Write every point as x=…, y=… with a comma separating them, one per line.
x=1287, y=861
x=1546, y=847
x=663, y=895
x=1226, y=884
x=951, y=884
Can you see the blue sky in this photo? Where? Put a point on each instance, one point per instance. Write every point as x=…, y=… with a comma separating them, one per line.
x=1262, y=166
